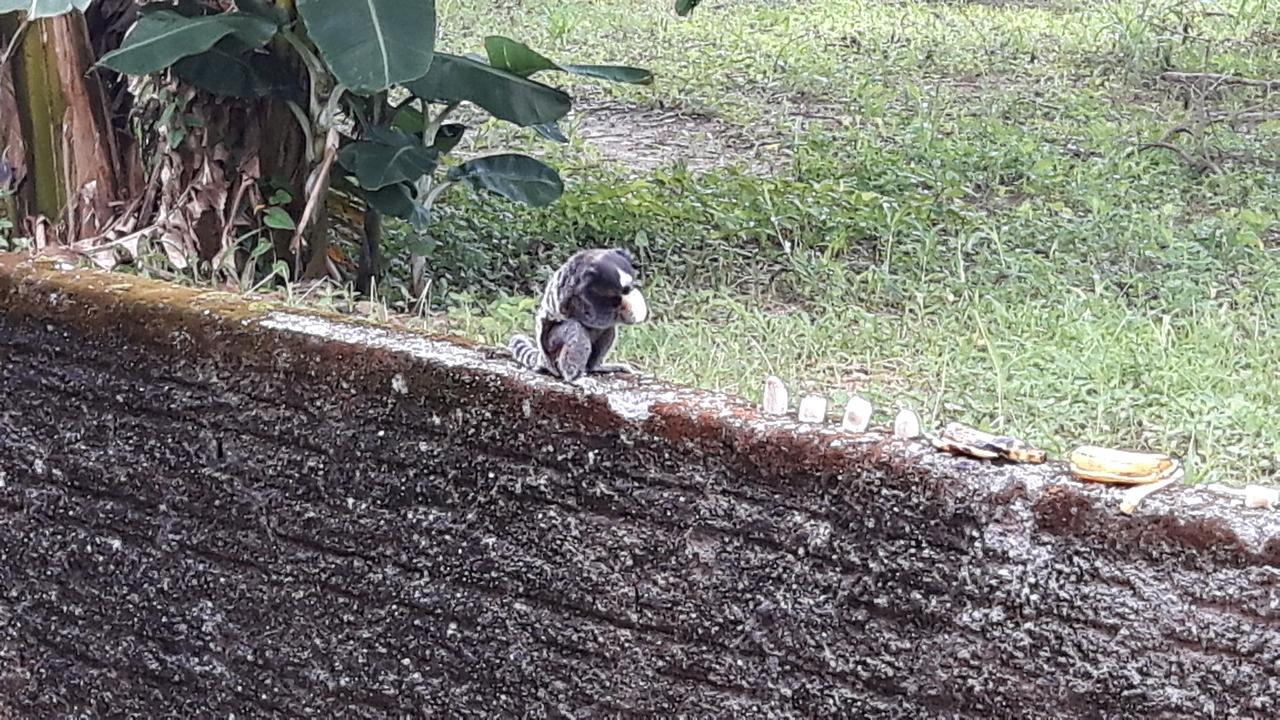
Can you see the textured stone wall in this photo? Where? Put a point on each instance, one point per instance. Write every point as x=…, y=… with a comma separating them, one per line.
x=210, y=508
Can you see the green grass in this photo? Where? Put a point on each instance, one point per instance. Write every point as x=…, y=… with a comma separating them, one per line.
x=958, y=217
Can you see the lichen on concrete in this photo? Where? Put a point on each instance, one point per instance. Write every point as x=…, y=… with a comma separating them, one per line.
x=212, y=507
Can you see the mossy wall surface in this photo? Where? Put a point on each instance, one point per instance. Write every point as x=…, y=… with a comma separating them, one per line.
x=212, y=508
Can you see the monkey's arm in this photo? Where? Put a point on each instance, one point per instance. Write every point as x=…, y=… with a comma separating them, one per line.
x=568, y=345
x=634, y=310
x=600, y=349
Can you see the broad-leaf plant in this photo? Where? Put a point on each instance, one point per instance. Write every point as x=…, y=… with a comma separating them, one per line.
x=377, y=97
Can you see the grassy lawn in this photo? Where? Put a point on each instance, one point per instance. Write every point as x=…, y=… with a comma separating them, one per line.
x=939, y=204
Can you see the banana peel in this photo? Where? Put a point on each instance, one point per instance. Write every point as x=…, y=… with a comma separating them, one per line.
x=1122, y=467
x=1136, y=494
x=1146, y=472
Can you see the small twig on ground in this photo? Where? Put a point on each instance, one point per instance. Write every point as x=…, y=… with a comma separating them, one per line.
x=1200, y=165
x=1174, y=132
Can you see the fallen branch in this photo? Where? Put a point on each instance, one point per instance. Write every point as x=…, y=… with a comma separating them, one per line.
x=1245, y=117
x=1251, y=159
x=1203, y=120
x=1208, y=81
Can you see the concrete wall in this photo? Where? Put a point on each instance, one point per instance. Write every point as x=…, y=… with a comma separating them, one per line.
x=209, y=508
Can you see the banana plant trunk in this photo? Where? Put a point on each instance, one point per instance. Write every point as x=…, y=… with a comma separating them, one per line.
x=56, y=128
x=79, y=173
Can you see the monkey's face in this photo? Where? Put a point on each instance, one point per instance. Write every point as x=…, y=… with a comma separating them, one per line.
x=610, y=292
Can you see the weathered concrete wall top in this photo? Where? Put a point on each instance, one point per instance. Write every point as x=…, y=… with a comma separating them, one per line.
x=210, y=508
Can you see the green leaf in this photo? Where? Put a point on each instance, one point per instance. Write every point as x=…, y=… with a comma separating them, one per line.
x=398, y=201
x=280, y=269
x=161, y=38
x=387, y=157
x=515, y=177
x=552, y=132
x=422, y=246
x=371, y=45
x=1043, y=166
x=394, y=200
x=263, y=247
x=42, y=8
x=515, y=57
x=613, y=73
x=519, y=59
x=277, y=218
x=504, y=95
x=233, y=69
x=684, y=7
x=409, y=120
x=265, y=9
x=447, y=138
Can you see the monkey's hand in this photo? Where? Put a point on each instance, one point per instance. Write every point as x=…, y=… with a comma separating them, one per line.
x=570, y=347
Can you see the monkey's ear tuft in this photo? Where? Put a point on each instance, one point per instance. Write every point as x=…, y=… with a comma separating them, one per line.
x=625, y=256
x=586, y=277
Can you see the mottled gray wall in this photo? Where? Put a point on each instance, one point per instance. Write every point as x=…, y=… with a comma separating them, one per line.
x=209, y=510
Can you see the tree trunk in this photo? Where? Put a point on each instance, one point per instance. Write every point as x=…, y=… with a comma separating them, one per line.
x=58, y=132
x=70, y=134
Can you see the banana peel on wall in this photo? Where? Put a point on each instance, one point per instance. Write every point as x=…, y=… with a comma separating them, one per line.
x=1147, y=472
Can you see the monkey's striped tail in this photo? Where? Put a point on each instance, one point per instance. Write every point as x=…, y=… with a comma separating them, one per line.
x=525, y=351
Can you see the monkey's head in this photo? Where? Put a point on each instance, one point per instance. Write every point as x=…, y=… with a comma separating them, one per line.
x=607, y=291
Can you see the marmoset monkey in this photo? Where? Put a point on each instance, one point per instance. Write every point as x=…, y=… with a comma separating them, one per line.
x=583, y=303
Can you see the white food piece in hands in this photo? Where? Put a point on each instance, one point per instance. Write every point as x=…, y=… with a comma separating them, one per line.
x=636, y=309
